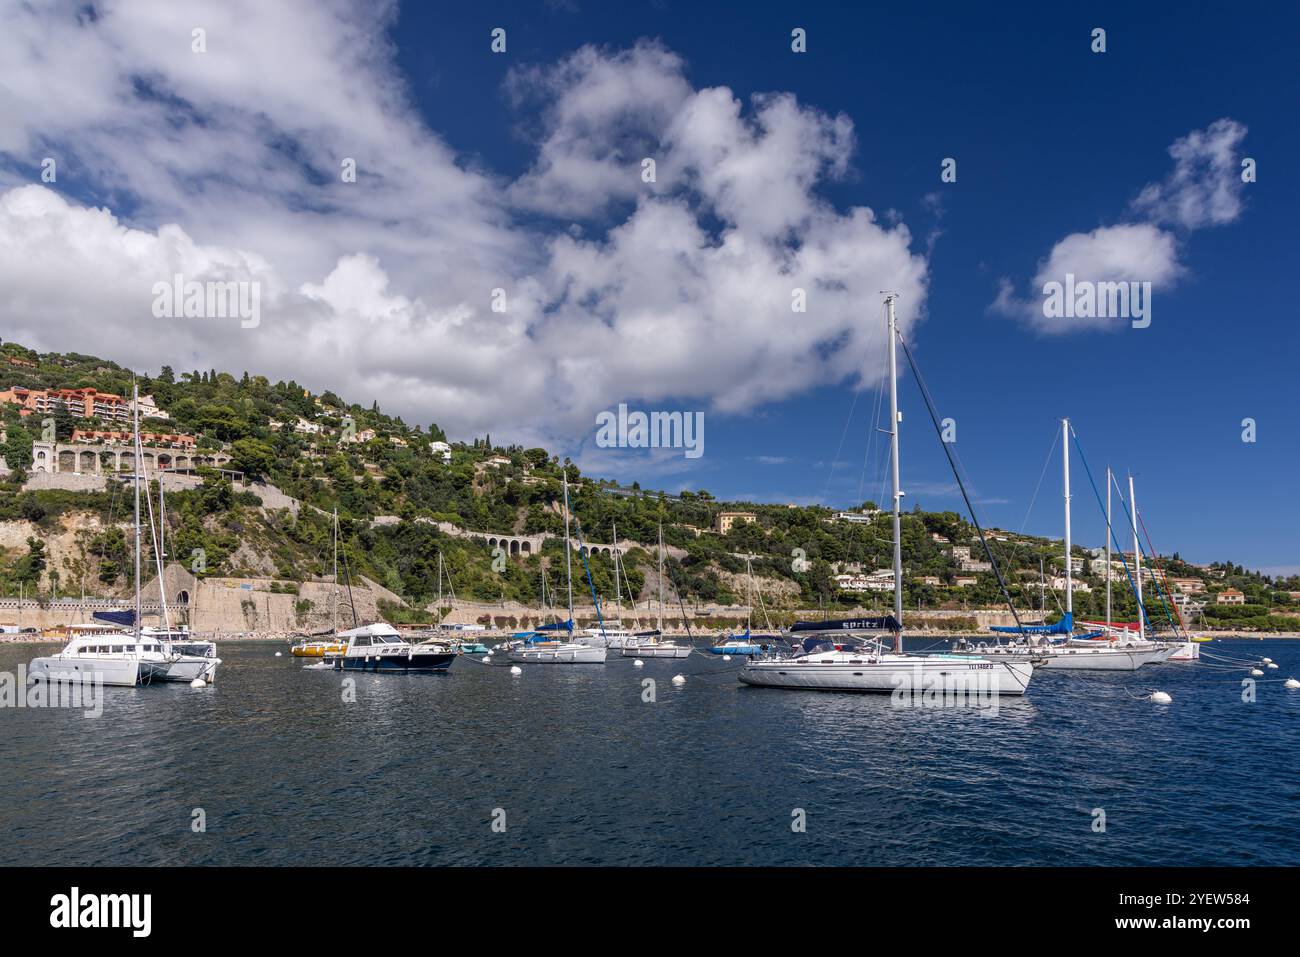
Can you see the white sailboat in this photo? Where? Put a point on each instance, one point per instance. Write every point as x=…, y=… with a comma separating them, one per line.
x=849, y=655
x=538, y=647
x=654, y=646
x=1093, y=652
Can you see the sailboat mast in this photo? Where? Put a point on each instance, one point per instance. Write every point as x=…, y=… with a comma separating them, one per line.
x=336, y=570
x=1069, y=572
x=894, y=420
x=1137, y=561
x=1109, y=481
x=568, y=550
x=661, y=579
x=135, y=407
x=618, y=592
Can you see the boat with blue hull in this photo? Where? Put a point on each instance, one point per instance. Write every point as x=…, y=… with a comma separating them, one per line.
x=380, y=648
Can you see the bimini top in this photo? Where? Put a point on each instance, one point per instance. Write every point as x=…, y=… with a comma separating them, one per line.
x=380, y=629
x=877, y=623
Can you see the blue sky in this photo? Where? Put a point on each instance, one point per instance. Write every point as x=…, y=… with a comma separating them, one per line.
x=1051, y=140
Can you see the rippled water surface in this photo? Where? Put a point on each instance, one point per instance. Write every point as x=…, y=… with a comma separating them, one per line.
x=588, y=773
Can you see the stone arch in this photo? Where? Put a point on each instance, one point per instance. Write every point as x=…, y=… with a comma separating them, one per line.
x=526, y=548
x=164, y=460
x=41, y=461
x=147, y=459
x=66, y=460
x=182, y=461
x=514, y=546
x=88, y=461
x=492, y=542
x=183, y=597
x=126, y=462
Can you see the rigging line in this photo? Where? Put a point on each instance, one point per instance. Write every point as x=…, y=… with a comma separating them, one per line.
x=1176, y=616
x=875, y=415
x=830, y=475
x=934, y=419
x=1046, y=462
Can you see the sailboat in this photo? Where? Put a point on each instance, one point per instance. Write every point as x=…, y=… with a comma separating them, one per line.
x=318, y=645
x=748, y=643
x=849, y=655
x=461, y=646
x=539, y=647
x=611, y=633
x=1056, y=646
x=653, y=646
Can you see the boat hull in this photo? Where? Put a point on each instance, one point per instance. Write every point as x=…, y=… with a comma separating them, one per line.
x=117, y=672
x=1080, y=659
x=959, y=675
x=562, y=655
x=1185, y=651
x=657, y=651
x=419, y=663
x=735, y=650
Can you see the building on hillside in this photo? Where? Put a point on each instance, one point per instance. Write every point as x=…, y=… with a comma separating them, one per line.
x=82, y=403
x=496, y=462
x=1230, y=596
x=727, y=519
x=961, y=553
x=148, y=408
x=930, y=580
x=1190, y=586
x=862, y=517
x=1058, y=584
x=965, y=581
x=969, y=565
x=441, y=450
x=167, y=439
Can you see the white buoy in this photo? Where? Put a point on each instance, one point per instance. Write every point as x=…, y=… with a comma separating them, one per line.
x=1292, y=683
x=490, y=651
x=726, y=657
x=1161, y=697
x=486, y=660
x=1272, y=665
x=277, y=654
x=679, y=680
x=638, y=663
x=516, y=670
x=1266, y=660
x=1256, y=673
x=198, y=683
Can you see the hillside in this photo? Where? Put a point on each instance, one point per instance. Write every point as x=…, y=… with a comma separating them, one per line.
x=404, y=493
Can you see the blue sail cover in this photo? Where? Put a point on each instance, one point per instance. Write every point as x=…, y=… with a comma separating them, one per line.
x=878, y=623
x=124, y=618
x=557, y=626
x=1063, y=627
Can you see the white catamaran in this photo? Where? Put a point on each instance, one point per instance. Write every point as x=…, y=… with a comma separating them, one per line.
x=849, y=655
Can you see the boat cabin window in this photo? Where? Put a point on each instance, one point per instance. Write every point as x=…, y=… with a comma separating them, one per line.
x=116, y=649
x=361, y=640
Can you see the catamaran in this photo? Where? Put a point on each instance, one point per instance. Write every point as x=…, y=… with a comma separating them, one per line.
x=114, y=655
x=538, y=647
x=653, y=645
x=849, y=655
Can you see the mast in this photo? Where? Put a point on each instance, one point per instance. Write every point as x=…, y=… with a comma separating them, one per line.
x=135, y=405
x=568, y=550
x=1137, y=561
x=336, y=570
x=1109, y=480
x=1069, y=573
x=618, y=594
x=440, y=585
x=661, y=579
x=894, y=419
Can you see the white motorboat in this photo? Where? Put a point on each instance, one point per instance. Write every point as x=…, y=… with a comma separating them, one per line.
x=379, y=647
x=858, y=661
